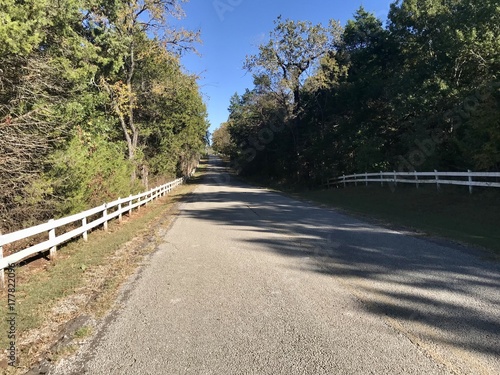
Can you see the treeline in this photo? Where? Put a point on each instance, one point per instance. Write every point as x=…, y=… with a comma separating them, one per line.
x=94, y=104
x=420, y=94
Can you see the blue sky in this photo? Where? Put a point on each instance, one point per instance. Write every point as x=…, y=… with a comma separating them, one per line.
x=232, y=29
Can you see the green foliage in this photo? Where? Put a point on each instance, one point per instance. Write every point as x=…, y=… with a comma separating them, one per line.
x=221, y=140
x=293, y=49
x=88, y=172
x=91, y=97
x=420, y=94
x=21, y=25
x=170, y=113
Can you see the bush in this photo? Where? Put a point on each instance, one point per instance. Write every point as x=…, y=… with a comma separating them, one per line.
x=88, y=173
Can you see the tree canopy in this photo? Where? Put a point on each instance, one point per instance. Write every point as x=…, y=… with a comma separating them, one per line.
x=419, y=94
x=94, y=104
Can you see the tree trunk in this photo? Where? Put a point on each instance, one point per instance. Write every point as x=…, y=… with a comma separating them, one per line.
x=296, y=130
x=145, y=176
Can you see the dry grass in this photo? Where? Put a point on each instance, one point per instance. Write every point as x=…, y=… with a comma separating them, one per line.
x=82, y=282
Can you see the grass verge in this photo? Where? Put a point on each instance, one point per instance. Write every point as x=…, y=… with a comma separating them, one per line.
x=451, y=213
x=83, y=280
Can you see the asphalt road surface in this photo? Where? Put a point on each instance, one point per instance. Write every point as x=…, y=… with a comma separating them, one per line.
x=248, y=281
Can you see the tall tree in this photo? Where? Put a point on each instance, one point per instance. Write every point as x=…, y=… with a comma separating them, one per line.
x=368, y=53
x=293, y=50
x=123, y=27
x=221, y=139
x=90, y=88
x=292, y=53
x=46, y=65
x=448, y=53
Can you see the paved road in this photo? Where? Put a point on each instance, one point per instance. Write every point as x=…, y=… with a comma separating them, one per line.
x=251, y=282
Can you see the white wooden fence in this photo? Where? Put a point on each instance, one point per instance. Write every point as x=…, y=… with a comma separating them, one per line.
x=101, y=216
x=470, y=179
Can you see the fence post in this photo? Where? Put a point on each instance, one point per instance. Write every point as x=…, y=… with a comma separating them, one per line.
x=381, y=179
x=2, y=273
x=470, y=182
x=52, y=236
x=366, y=178
x=416, y=179
x=85, y=234
x=343, y=178
x=130, y=205
x=437, y=180
x=395, y=179
x=105, y=216
x=120, y=216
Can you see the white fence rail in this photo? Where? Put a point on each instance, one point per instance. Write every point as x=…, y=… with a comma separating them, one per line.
x=101, y=216
x=470, y=179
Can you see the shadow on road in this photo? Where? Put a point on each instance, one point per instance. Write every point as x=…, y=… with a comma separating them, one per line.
x=445, y=288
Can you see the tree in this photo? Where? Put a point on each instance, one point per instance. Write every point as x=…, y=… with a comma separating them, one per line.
x=91, y=90
x=221, y=139
x=294, y=48
x=448, y=52
x=46, y=67
x=368, y=125
x=282, y=65
x=123, y=27
x=169, y=113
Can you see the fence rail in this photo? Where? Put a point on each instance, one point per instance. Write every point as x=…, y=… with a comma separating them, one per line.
x=470, y=179
x=99, y=215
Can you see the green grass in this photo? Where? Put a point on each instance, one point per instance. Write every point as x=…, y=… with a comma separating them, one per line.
x=83, y=332
x=452, y=212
